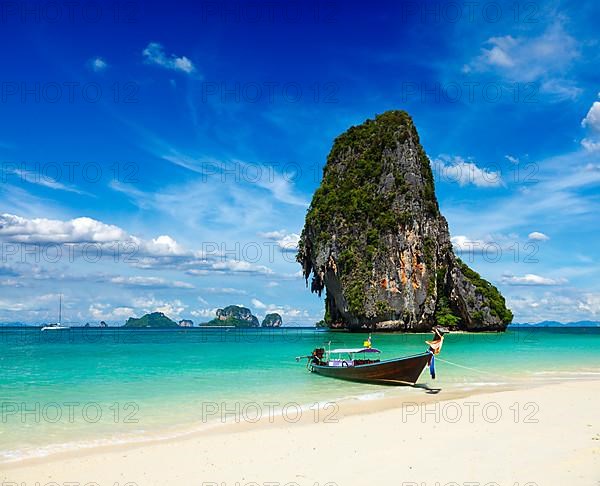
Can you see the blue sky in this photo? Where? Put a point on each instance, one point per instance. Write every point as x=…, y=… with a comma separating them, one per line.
x=162, y=157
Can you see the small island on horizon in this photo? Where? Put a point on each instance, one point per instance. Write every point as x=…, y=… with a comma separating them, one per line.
x=230, y=316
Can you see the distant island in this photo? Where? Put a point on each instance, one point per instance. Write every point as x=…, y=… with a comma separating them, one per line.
x=230, y=316
x=238, y=316
x=154, y=319
x=556, y=324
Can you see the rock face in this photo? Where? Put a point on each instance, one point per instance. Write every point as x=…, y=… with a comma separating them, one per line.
x=186, y=323
x=272, y=320
x=234, y=315
x=375, y=240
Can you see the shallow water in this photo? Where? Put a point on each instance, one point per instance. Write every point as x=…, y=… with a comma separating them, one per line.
x=63, y=389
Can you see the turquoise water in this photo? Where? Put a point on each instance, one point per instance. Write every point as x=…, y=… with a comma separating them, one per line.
x=63, y=389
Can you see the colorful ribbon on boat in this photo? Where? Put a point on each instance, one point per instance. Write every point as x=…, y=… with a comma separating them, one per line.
x=432, y=366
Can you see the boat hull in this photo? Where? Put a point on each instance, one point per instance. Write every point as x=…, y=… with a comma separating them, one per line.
x=399, y=371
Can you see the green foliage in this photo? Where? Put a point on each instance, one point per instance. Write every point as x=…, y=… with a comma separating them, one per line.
x=444, y=315
x=493, y=297
x=154, y=320
x=383, y=308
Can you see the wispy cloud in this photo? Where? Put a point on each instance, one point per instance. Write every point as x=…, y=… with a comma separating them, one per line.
x=544, y=59
x=531, y=279
x=154, y=53
x=455, y=169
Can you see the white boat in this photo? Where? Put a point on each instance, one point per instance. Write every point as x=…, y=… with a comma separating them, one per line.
x=57, y=326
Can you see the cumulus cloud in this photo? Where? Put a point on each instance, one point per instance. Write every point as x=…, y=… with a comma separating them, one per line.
x=239, y=266
x=137, y=307
x=592, y=119
x=285, y=241
x=97, y=64
x=592, y=123
x=564, y=307
x=106, y=312
x=41, y=230
x=154, y=53
x=537, y=236
x=205, y=313
x=463, y=244
x=457, y=170
x=531, y=279
x=543, y=59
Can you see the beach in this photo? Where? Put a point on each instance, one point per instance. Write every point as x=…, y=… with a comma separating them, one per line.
x=543, y=435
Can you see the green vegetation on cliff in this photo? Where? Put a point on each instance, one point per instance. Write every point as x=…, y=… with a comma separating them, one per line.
x=155, y=319
x=350, y=195
x=374, y=239
x=492, y=295
x=355, y=196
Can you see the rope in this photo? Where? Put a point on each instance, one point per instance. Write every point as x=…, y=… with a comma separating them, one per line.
x=466, y=367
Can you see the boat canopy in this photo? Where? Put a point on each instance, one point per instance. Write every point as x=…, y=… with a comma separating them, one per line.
x=355, y=350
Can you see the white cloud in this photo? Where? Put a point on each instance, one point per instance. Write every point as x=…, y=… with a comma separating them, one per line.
x=97, y=64
x=537, y=236
x=457, y=170
x=146, y=305
x=567, y=307
x=41, y=230
x=592, y=119
x=240, y=266
x=592, y=123
x=154, y=282
x=285, y=241
x=590, y=303
x=543, y=59
x=105, y=312
x=224, y=291
x=463, y=243
x=531, y=279
x=33, y=177
x=590, y=145
x=154, y=53
x=206, y=313
x=258, y=304
x=273, y=235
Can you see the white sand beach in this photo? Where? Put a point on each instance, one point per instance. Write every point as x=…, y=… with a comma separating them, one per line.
x=544, y=436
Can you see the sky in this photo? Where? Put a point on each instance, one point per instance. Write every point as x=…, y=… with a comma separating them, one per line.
x=162, y=157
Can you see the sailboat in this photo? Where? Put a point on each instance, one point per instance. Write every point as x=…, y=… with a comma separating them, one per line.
x=57, y=326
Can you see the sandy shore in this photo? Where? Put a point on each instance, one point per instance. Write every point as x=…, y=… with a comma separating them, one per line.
x=542, y=436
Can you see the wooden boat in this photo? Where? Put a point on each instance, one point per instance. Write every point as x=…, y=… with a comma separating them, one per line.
x=363, y=364
x=398, y=371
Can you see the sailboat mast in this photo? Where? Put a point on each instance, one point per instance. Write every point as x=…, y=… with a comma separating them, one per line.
x=60, y=309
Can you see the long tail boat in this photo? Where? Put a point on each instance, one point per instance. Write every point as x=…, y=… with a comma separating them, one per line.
x=363, y=364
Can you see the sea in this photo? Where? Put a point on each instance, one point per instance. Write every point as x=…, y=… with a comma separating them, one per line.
x=88, y=387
